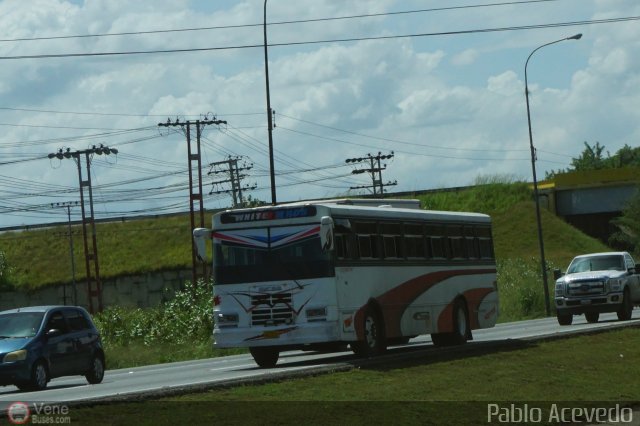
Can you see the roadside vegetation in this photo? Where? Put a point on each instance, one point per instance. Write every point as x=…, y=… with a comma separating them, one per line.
x=40, y=257
x=178, y=330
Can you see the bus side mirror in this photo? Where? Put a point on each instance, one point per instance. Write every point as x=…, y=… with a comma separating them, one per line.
x=326, y=233
x=199, y=238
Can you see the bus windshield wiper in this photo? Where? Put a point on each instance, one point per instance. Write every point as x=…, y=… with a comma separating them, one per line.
x=286, y=269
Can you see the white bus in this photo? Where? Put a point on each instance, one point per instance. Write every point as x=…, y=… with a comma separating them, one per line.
x=359, y=272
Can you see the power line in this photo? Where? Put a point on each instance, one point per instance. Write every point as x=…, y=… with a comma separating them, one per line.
x=300, y=21
x=111, y=113
x=325, y=41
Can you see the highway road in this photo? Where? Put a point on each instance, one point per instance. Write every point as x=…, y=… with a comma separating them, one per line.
x=193, y=376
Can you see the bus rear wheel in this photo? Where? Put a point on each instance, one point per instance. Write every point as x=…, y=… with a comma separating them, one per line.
x=461, y=331
x=373, y=331
x=265, y=356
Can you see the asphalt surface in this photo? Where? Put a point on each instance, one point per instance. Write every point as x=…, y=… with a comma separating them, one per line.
x=192, y=376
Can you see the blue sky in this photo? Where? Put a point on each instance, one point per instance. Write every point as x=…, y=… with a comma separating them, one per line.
x=451, y=107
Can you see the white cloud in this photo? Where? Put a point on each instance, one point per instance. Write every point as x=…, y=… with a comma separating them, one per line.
x=450, y=107
x=466, y=57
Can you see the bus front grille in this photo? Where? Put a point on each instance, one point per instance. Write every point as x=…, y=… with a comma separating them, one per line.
x=271, y=309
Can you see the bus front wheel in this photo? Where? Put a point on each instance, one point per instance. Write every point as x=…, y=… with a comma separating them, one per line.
x=373, y=331
x=265, y=356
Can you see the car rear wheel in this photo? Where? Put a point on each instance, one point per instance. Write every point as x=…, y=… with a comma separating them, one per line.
x=96, y=373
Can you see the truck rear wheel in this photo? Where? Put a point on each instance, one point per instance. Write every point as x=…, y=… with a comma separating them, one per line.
x=624, y=313
x=592, y=316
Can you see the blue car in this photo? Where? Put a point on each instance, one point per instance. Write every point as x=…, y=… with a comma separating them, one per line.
x=39, y=343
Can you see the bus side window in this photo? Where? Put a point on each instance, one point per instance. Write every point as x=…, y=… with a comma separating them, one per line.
x=345, y=244
x=485, y=242
x=391, y=240
x=437, y=241
x=414, y=241
x=367, y=237
x=471, y=241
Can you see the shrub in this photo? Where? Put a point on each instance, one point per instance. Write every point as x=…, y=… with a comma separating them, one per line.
x=185, y=318
x=521, y=290
x=5, y=272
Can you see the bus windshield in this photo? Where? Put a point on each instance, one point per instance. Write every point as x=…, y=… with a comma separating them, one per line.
x=268, y=254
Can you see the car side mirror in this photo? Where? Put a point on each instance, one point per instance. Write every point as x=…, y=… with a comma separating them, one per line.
x=53, y=332
x=557, y=273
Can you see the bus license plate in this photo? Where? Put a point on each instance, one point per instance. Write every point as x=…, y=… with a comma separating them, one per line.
x=271, y=334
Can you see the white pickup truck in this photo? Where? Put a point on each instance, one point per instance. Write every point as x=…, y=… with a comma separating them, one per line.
x=595, y=283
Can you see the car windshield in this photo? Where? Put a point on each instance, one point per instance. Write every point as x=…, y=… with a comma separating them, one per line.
x=20, y=324
x=597, y=263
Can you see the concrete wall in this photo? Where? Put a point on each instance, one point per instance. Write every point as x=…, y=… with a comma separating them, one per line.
x=142, y=291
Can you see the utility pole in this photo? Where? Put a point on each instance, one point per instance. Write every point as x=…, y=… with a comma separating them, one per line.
x=272, y=173
x=94, y=287
x=195, y=174
x=235, y=179
x=68, y=205
x=375, y=170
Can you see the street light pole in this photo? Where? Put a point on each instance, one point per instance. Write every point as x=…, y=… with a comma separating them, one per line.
x=543, y=262
x=269, y=112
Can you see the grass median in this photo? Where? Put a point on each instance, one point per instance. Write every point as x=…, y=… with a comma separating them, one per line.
x=595, y=371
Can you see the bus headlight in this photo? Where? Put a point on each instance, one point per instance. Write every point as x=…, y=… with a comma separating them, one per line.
x=317, y=314
x=223, y=320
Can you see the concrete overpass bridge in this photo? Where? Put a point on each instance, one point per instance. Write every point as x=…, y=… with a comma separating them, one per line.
x=589, y=200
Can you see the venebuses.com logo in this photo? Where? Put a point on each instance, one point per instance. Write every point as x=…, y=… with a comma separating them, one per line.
x=20, y=413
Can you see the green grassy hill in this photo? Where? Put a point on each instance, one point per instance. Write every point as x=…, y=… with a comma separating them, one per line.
x=514, y=222
x=41, y=257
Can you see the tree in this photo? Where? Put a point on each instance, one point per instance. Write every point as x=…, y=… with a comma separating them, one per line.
x=593, y=158
x=627, y=235
x=253, y=202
